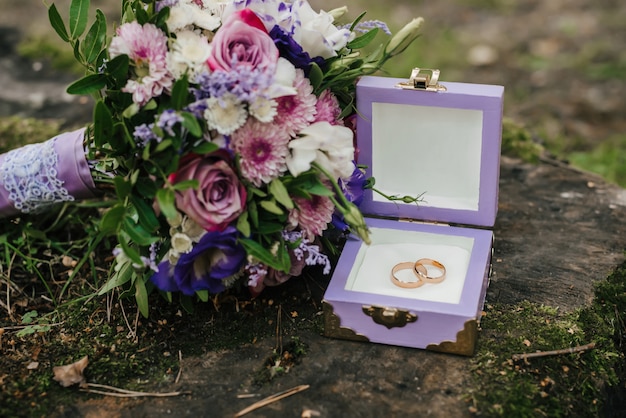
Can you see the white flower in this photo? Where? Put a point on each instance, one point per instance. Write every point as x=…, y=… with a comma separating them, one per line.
x=403, y=38
x=176, y=221
x=284, y=79
x=181, y=16
x=317, y=34
x=188, y=13
x=188, y=54
x=263, y=109
x=328, y=145
x=192, y=229
x=181, y=243
x=225, y=114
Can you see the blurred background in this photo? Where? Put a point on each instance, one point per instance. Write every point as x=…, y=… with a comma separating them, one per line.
x=562, y=62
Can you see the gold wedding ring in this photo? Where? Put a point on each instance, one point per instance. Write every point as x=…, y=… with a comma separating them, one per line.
x=409, y=265
x=422, y=273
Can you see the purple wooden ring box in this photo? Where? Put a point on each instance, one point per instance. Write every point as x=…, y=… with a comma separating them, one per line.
x=446, y=146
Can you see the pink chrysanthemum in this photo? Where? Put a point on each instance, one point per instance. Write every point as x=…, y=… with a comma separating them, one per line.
x=146, y=47
x=311, y=216
x=297, y=111
x=328, y=109
x=263, y=150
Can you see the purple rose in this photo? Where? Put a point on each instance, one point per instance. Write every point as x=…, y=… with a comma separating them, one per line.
x=214, y=258
x=220, y=197
x=242, y=37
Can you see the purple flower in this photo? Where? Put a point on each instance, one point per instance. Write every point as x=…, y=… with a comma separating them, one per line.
x=352, y=189
x=167, y=120
x=217, y=256
x=144, y=135
x=292, y=51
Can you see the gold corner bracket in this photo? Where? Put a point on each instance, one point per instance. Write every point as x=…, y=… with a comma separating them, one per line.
x=423, y=79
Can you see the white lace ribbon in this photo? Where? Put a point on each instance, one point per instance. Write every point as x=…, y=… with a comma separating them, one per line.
x=29, y=175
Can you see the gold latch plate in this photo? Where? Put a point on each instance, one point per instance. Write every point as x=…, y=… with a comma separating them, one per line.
x=389, y=317
x=424, y=79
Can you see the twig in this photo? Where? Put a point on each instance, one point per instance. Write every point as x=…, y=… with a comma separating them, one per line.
x=570, y=350
x=123, y=393
x=16, y=327
x=271, y=399
x=180, y=366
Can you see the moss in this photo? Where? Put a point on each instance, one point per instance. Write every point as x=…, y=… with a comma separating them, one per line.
x=517, y=142
x=16, y=131
x=52, y=49
x=583, y=384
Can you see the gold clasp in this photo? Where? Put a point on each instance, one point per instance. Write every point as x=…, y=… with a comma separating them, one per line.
x=389, y=317
x=423, y=79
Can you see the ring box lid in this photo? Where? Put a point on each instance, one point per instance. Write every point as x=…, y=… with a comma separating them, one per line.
x=444, y=145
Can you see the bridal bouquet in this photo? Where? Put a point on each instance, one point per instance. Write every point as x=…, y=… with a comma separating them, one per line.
x=222, y=137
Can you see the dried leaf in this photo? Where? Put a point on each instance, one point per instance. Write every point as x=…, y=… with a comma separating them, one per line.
x=71, y=374
x=32, y=365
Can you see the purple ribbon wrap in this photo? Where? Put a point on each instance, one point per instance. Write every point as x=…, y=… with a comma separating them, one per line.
x=38, y=175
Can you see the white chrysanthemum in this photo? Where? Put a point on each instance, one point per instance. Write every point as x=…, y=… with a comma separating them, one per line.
x=263, y=109
x=181, y=243
x=225, y=114
x=181, y=16
x=188, y=13
x=188, y=54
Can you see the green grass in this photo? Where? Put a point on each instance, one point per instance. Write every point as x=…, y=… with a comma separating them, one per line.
x=607, y=159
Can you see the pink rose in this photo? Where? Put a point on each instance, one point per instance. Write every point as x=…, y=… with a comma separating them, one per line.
x=244, y=37
x=220, y=197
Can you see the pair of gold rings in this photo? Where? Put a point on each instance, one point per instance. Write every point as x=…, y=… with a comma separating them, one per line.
x=420, y=271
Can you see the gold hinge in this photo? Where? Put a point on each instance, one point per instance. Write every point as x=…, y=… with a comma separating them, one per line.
x=419, y=221
x=423, y=79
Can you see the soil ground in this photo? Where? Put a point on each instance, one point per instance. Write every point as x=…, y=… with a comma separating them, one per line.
x=559, y=230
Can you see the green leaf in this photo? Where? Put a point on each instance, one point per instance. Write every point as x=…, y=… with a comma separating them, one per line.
x=57, y=23
x=95, y=38
x=271, y=207
x=315, y=76
x=112, y=219
x=280, y=193
x=166, y=199
x=261, y=253
x=186, y=184
x=363, y=40
x=320, y=190
x=141, y=296
x=142, y=16
x=123, y=239
x=117, y=68
x=243, y=225
x=29, y=317
x=191, y=124
x=147, y=217
x=203, y=295
x=205, y=147
x=88, y=84
x=79, y=14
x=137, y=233
x=103, y=124
x=122, y=187
x=356, y=21
x=123, y=275
x=180, y=93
